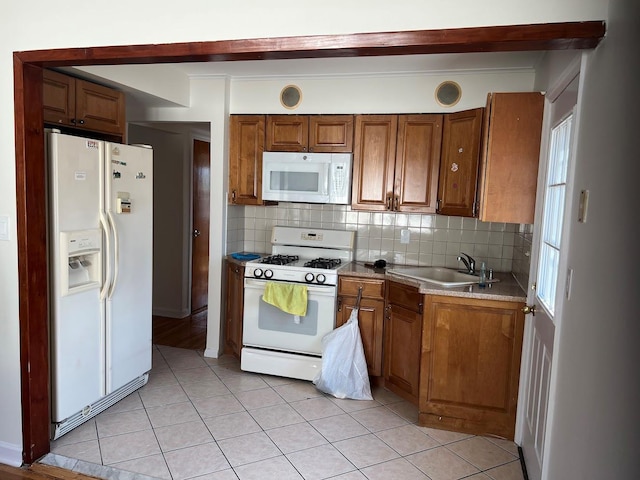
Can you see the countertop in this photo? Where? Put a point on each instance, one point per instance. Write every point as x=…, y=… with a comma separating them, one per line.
x=506, y=289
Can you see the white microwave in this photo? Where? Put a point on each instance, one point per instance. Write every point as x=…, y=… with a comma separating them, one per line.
x=306, y=177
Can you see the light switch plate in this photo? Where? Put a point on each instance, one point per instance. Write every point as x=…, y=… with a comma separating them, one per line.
x=4, y=227
x=567, y=287
x=584, y=204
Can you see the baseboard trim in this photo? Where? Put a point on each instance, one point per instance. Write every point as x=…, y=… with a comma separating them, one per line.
x=210, y=353
x=11, y=454
x=522, y=463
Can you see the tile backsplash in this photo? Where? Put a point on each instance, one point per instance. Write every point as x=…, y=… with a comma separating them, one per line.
x=522, y=255
x=434, y=240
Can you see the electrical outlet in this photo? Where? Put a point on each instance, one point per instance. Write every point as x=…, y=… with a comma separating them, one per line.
x=405, y=236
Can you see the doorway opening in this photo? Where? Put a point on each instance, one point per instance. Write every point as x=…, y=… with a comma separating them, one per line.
x=181, y=207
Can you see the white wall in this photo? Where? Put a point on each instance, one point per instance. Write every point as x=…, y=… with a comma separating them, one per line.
x=170, y=225
x=400, y=93
x=40, y=24
x=595, y=431
x=209, y=103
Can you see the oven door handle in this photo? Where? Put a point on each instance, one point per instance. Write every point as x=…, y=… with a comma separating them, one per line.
x=327, y=290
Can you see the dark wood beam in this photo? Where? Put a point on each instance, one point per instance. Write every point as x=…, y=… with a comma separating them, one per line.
x=548, y=36
x=32, y=259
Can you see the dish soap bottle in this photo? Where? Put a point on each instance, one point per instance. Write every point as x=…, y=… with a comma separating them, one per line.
x=482, y=281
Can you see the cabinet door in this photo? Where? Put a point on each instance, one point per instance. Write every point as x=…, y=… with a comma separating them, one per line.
x=403, y=333
x=234, y=308
x=331, y=133
x=370, y=315
x=58, y=98
x=246, y=139
x=471, y=364
x=512, y=132
x=370, y=322
x=99, y=108
x=417, y=163
x=373, y=162
x=459, y=163
x=287, y=133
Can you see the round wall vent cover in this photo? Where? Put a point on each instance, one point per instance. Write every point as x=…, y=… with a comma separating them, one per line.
x=448, y=93
x=291, y=96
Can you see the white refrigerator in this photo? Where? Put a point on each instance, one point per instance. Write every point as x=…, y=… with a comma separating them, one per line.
x=100, y=247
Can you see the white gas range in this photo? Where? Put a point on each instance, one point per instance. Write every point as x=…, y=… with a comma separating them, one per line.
x=276, y=342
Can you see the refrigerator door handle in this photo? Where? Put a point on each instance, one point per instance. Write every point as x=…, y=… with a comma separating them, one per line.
x=116, y=254
x=106, y=256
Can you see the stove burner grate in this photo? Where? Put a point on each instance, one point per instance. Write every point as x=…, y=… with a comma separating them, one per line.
x=280, y=259
x=326, y=263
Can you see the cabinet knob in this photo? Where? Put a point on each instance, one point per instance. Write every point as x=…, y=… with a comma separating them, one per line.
x=196, y=233
x=388, y=202
x=233, y=196
x=396, y=202
x=81, y=122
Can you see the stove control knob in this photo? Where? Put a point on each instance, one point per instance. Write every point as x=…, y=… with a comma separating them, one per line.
x=268, y=274
x=257, y=272
x=309, y=277
x=321, y=278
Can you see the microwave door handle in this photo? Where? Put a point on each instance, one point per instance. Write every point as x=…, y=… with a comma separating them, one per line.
x=327, y=178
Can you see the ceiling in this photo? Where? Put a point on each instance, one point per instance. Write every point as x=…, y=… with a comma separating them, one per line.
x=434, y=63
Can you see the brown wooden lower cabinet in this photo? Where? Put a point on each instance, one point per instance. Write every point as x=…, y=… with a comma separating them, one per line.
x=234, y=308
x=403, y=333
x=470, y=365
x=370, y=316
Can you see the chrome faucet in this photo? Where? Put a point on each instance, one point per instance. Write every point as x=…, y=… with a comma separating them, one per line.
x=469, y=262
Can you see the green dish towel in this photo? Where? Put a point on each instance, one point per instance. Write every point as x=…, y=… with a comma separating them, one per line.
x=288, y=297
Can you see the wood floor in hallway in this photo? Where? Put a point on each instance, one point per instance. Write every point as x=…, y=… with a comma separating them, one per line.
x=189, y=332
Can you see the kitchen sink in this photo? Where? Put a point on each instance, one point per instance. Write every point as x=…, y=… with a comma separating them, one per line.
x=445, y=277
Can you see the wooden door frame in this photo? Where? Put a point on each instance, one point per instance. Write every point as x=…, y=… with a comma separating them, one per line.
x=29, y=145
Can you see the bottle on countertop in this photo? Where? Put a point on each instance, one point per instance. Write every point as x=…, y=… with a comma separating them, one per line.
x=482, y=281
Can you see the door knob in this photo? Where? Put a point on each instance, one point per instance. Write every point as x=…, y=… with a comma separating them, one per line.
x=529, y=309
x=196, y=233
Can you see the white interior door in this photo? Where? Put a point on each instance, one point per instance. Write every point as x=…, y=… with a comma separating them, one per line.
x=548, y=275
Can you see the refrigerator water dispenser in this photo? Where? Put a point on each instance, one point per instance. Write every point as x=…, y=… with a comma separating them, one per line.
x=81, y=251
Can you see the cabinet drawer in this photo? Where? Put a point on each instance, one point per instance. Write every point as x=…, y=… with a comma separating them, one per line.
x=370, y=288
x=404, y=296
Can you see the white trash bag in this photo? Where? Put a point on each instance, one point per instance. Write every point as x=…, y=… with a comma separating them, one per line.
x=344, y=368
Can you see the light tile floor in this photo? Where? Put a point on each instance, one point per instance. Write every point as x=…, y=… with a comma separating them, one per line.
x=205, y=419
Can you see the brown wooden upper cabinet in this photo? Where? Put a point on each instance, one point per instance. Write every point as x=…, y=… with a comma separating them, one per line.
x=509, y=167
x=246, y=145
x=72, y=102
x=396, y=162
x=310, y=133
x=459, y=163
